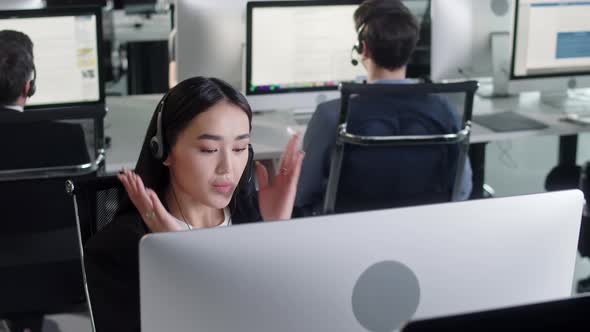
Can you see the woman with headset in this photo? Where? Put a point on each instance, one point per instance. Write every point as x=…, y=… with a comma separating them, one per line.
x=194, y=171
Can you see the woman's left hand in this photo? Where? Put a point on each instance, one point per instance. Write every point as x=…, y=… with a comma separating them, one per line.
x=277, y=198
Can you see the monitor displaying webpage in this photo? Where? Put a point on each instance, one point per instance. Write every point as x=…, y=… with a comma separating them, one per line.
x=65, y=55
x=552, y=38
x=302, y=47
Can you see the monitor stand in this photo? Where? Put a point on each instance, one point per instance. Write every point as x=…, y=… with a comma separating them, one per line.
x=500, y=48
x=500, y=63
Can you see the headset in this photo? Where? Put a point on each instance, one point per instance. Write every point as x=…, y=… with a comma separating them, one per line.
x=358, y=47
x=32, y=85
x=33, y=77
x=158, y=146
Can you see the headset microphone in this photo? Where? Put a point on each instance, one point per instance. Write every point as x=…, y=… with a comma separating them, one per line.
x=358, y=47
x=352, y=58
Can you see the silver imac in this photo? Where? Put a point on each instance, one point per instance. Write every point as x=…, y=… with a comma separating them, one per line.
x=368, y=271
x=462, y=33
x=210, y=39
x=551, y=50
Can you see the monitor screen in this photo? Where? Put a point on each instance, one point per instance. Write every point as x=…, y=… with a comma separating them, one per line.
x=298, y=46
x=66, y=54
x=552, y=38
x=295, y=46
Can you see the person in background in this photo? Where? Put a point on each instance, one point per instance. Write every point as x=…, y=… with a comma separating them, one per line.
x=387, y=36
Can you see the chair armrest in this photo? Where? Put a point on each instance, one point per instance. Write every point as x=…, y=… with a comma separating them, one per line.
x=457, y=137
x=55, y=171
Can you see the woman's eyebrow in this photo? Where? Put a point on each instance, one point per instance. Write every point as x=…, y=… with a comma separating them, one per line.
x=210, y=137
x=220, y=138
x=243, y=136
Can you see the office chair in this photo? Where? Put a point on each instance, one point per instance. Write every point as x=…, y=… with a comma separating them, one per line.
x=583, y=285
x=95, y=201
x=390, y=152
x=39, y=262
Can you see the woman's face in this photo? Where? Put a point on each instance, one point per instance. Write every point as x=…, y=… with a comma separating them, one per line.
x=210, y=155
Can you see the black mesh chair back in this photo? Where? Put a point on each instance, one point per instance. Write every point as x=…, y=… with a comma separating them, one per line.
x=392, y=151
x=95, y=203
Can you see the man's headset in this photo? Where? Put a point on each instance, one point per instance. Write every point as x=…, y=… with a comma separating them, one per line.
x=358, y=47
x=32, y=85
x=33, y=77
x=158, y=146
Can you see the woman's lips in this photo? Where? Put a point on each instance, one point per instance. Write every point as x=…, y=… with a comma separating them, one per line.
x=223, y=188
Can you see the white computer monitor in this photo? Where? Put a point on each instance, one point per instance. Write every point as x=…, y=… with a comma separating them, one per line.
x=551, y=47
x=298, y=52
x=66, y=47
x=349, y=271
x=461, y=37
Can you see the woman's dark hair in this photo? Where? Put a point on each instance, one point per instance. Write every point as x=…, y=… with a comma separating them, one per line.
x=16, y=64
x=183, y=102
x=391, y=31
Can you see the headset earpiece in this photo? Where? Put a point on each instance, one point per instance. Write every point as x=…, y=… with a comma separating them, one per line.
x=157, y=141
x=32, y=85
x=245, y=185
x=250, y=165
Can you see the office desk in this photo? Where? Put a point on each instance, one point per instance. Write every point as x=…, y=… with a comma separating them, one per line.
x=128, y=118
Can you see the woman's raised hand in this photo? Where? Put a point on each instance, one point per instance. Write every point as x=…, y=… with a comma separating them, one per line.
x=277, y=198
x=147, y=203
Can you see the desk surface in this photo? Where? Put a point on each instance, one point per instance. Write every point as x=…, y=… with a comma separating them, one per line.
x=128, y=118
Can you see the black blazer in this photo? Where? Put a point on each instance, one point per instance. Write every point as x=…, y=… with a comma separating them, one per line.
x=112, y=265
x=41, y=144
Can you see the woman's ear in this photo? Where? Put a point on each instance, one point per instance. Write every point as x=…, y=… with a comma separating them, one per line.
x=166, y=162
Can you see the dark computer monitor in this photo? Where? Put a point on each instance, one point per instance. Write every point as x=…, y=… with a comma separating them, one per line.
x=301, y=50
x=67, y=54
x=561, y=315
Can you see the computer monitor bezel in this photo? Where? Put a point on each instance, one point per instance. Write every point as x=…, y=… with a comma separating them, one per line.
x=69, y=11
x=261, y=4
x=513, y=77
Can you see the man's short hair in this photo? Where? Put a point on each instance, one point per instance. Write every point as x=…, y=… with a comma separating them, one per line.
x=391, y=31
x=16, y=65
